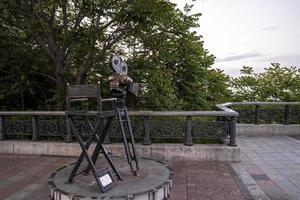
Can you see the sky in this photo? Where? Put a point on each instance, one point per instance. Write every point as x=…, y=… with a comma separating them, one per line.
x=249, y=32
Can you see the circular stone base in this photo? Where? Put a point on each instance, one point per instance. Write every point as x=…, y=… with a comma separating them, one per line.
x=153, y=183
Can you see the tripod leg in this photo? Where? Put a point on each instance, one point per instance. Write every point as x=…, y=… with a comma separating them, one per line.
x=132, y=141
x=128, y=154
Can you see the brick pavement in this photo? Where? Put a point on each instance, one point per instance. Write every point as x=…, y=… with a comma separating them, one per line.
x=270, y=166
x=25, y=177
x=204, y=180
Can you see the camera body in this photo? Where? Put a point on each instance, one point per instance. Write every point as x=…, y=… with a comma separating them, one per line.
x=120, y=83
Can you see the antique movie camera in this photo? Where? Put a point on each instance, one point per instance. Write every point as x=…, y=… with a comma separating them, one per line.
x=120, y=82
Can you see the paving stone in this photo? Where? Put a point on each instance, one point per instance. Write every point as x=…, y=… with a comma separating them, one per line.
x=258, y=177
x=278, y=177
x=286, y=172
x=289, y=188
x=40, y=192
x=247, y=180
x=280, y=164
x=210, y=180
x=272, y=190
x=269, y=170
x=25, y=177
x=239, y=169
x=257, y=192
x=295, y=177
x=11, y=180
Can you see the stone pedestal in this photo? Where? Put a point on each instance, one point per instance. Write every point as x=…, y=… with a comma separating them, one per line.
x=153, y=183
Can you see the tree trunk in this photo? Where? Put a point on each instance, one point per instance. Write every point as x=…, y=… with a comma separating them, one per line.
x=81, y=75
x=85, y=67
x=60, y=89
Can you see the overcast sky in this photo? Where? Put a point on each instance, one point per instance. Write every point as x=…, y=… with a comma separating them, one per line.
x=249, y=32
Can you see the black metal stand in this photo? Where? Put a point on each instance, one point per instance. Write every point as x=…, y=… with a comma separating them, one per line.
x=121, y=113
x=126, y=130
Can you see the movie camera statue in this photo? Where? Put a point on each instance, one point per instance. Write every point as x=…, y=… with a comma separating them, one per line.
x=120, y=84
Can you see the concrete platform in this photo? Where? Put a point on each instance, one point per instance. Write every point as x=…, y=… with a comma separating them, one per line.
x=153, y=183
x=168, y=152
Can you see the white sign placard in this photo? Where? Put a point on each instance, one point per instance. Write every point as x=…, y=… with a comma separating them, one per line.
x=105, y=180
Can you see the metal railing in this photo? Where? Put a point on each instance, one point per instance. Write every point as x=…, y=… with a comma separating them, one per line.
x=148, y=125
x=144, y=125
x=267, y=112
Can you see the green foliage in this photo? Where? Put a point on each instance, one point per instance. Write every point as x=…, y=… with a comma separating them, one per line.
x=276, y=83
x=25, y=74
x=217, y=84
x=72, y=41
x=245, y=87
x=172, y=63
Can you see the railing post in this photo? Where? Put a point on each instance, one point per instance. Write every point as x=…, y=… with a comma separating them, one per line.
x=256, y=114
x=34, y=128
x=232, y=141
x=286, y=114
x=188, y=131
x=69, y=129
x=146, y=131
x=2, y=128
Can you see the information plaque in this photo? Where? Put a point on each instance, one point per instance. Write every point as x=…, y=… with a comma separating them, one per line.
x=105, y=180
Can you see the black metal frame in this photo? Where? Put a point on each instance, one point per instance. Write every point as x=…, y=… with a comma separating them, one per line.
x=91, y=160
x=103, y=119
x=82, y=93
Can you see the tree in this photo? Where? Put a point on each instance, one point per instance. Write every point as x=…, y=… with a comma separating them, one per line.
x=173, y=55
x=78, y=37
x=24, y=72
x=69, y=28
x=218, y=87
x=276, y=83
x=245, y=87
x=279, y=83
